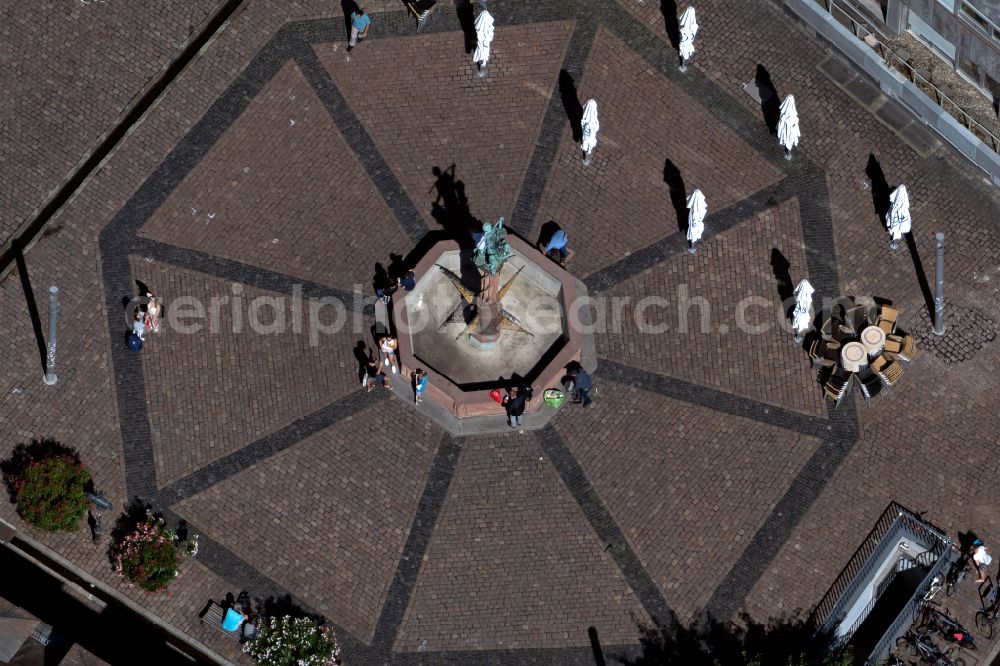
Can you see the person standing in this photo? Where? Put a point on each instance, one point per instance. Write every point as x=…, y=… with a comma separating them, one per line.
x=419, y=385
x=387, y=347
x=360, y=22
x=153, y=310
x=514, y=403
x=980, y=559
x=582, y=384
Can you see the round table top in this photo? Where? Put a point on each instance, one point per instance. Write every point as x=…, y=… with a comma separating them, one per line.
x=853, y=354
x=873, y=338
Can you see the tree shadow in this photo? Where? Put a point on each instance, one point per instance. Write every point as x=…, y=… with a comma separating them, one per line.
x=29, y=299
x=784, y=641
x=781, y=268
x=678, y=193
x=669, y=10
x=465, y=11
x=880, y=188
x=571, y=103
x=918, y=267
x=25, y=455
x=770, y=102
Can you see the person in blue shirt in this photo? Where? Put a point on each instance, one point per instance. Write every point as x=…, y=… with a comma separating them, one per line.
x=360, y=22
x=419, y=385
x=556, y=247
x=582, y=383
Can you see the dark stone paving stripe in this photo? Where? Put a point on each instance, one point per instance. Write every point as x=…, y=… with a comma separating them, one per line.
x=361, y=143
x=428, y=510
x=522, y=220
x=676, y=243
x=582, y=656
x=199, y=140
x=808, y=485
x=140, y=465
x=236, y=271
x=264, y=448
x=604, y=525
x=817, y=232
x=683, y=391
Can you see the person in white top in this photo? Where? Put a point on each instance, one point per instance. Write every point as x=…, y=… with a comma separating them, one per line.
x=980, y=559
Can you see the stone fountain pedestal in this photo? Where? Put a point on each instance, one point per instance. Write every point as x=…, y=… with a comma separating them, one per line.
x=463, y=367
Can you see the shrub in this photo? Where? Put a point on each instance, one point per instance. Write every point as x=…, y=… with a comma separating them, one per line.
x=50, y=492
x=150, y=555
x=288, y=641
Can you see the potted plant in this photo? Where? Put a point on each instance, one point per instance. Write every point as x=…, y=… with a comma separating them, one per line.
x=49, y=488
x=149, y=555
x=288, y=641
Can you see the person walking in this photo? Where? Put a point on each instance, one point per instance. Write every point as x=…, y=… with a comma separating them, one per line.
x=360, y=23
x=582, y=384
x=514, y=403
x=419, y=385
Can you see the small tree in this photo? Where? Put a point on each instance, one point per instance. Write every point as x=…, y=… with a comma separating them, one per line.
x=288, y=641
x=149, y=555
x=50, y=492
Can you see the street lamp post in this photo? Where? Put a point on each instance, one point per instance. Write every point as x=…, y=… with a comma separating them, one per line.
x=939, y=286
x=50, y=354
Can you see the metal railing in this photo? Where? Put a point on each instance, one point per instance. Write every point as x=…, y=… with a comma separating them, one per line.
x=905, y=618
x=864, y=28
x=895, y=521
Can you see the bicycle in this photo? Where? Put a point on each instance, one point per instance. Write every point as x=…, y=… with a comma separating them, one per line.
x=920, y=645
x=927, y=599
x=934, y=620
x=986, y=618
x=956, y=574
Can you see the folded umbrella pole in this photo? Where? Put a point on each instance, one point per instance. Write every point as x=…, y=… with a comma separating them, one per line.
x=898, y=220
x=697, y=208
x=788, y=126
x=590, y=125
x=484, y=39
x=689, y=28
x=801, y=320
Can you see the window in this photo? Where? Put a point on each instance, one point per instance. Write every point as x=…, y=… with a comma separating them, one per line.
x=972, y=14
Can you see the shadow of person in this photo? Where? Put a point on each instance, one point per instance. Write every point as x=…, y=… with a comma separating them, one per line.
x=780, y=266
x=571, y=103
x=381, y=282
x=678, y=193
x=770, y=101
x=880, y=188
x=397, y=266
x=918, y=267
x=362, y=356
x=464, y=10
x=669, y=10
x=348, y=7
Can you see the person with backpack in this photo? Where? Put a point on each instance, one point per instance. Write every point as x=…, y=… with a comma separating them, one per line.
x=419, y=385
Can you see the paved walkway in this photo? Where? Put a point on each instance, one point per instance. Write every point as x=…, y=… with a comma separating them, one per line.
x=708, y=475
